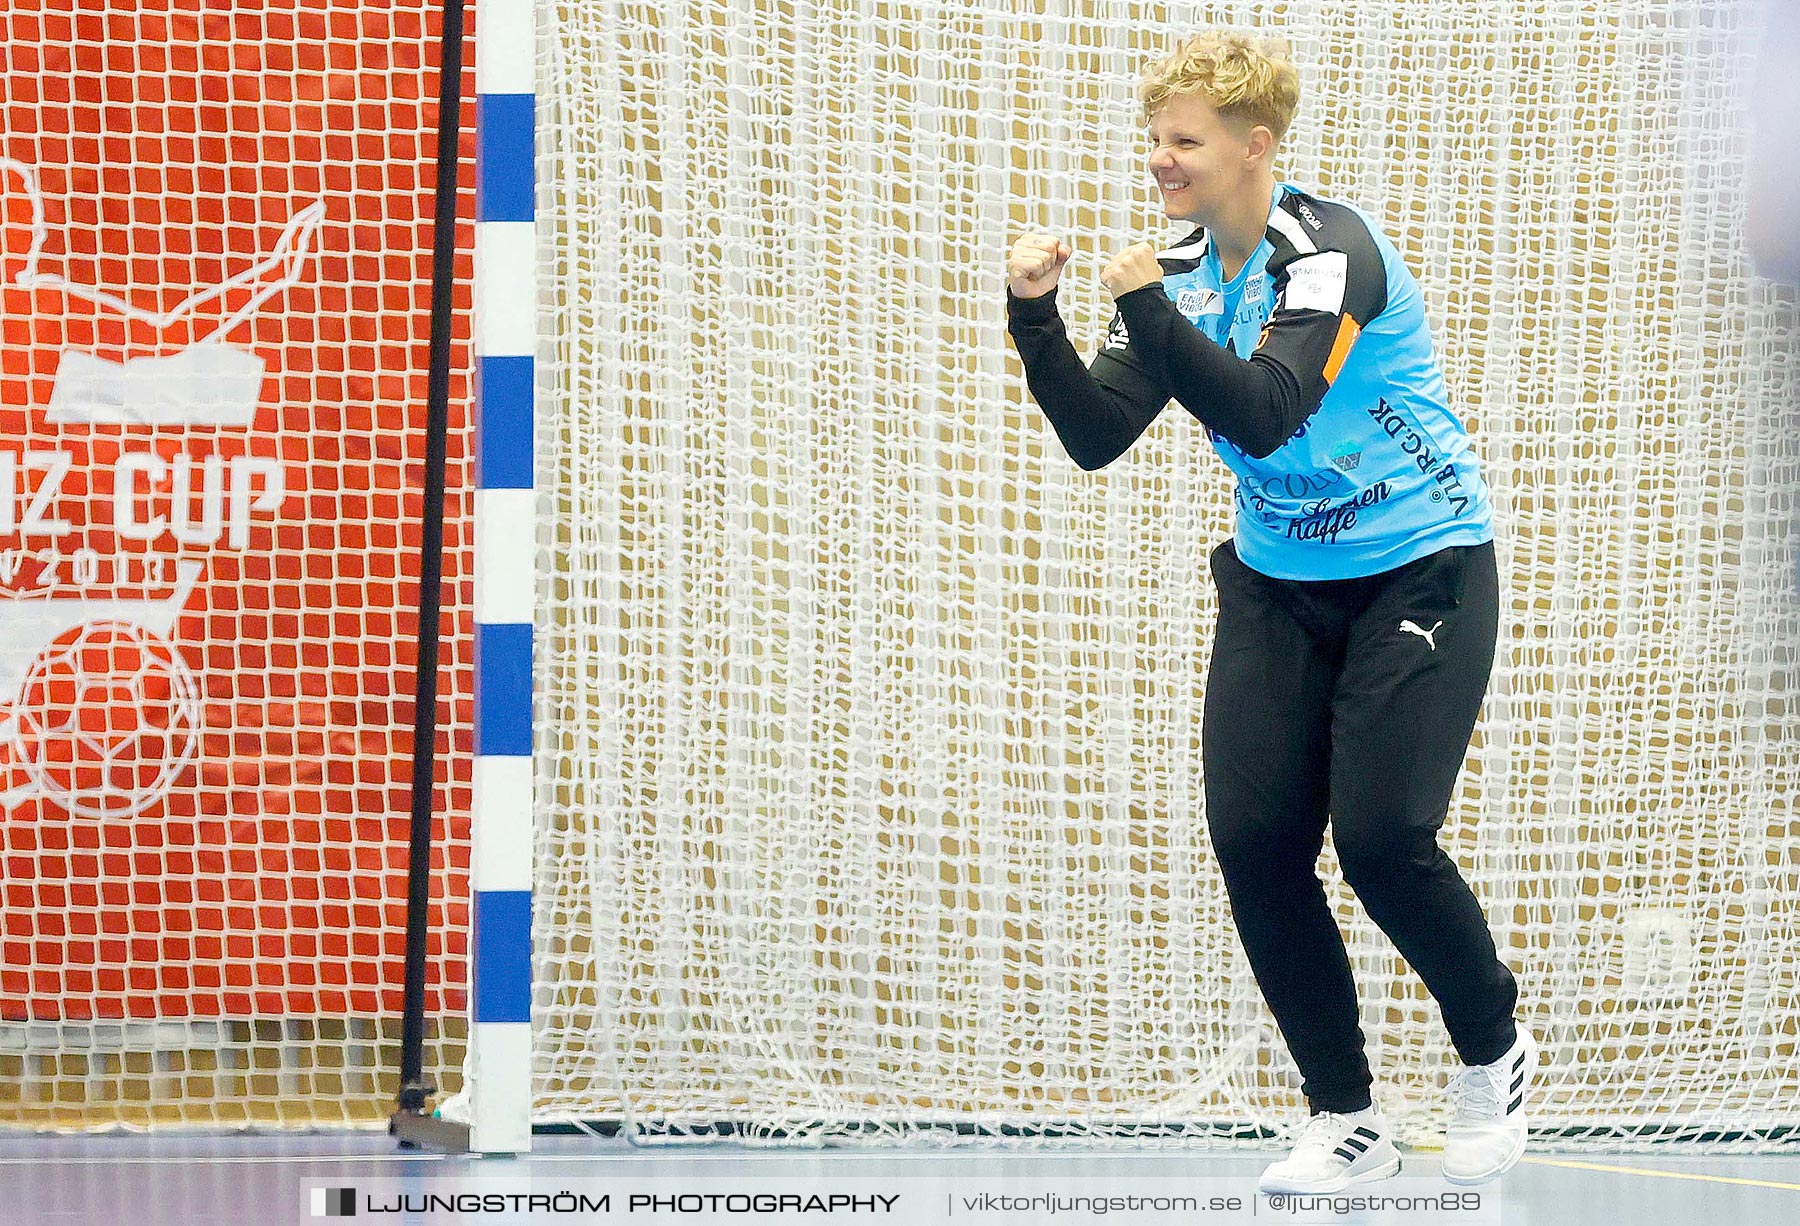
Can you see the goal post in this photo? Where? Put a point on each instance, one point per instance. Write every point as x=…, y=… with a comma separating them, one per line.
x=506, y=340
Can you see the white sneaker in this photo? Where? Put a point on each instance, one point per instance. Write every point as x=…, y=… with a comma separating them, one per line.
x=1488, y=1134
x=1333, y=1152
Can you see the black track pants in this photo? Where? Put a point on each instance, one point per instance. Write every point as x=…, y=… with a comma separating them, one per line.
x=1353, y=698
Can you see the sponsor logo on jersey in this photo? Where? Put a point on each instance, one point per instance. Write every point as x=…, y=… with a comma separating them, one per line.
x=1374, y=496
x=1324, y=520
x=1311, y=218
x=1194, y=303
x=1317, y=283
x=1256, y=313
x=1294, y=486
x=1431, y=464
x=1346, y=455
x=1325, y=527
x=1118, y=337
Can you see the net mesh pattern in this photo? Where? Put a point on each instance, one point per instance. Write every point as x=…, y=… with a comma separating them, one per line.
x=215, y=256
x=869, y=749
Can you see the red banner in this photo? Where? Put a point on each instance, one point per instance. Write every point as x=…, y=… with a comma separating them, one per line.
x=215, y=302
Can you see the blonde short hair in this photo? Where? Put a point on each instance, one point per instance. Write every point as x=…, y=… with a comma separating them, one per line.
x=1244, y=77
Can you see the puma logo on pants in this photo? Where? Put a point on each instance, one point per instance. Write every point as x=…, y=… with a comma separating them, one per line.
x=1412, y=627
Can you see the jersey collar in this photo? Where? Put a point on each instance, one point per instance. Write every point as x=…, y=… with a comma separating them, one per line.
x=1196, y=245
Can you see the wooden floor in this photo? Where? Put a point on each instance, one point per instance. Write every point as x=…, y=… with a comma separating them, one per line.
x=122, y=1180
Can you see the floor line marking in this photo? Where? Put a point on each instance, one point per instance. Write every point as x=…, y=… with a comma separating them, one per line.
x=217, y=1159
x=635, y=1156
x=643, y=1156
x=1650, y=1174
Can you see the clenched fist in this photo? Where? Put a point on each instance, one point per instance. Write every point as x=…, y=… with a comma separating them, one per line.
x=1133, y=268
x=1034, y=264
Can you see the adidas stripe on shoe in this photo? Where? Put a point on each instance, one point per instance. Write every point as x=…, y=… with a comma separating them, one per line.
x=1487, y=1135
x=1334, y=1151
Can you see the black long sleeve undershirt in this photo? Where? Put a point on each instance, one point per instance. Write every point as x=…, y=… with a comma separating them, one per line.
x=1255, y=402
x=1099, y=411
x=1096, y=422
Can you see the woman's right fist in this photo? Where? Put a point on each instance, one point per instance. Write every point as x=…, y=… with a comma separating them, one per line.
x=1034, y=263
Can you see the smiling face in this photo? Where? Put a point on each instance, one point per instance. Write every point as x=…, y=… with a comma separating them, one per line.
x=1203, y=162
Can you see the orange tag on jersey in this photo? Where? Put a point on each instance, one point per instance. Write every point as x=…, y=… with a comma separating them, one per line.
x=1346, y=337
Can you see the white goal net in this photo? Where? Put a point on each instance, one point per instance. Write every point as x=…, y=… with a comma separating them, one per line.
x=869, y=725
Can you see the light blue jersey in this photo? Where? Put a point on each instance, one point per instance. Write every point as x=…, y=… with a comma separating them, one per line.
x=1381, y=472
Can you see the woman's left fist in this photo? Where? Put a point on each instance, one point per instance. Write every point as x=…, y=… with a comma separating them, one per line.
x=1133, y=268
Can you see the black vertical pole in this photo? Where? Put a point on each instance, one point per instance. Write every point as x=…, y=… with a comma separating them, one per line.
x=414, y=1091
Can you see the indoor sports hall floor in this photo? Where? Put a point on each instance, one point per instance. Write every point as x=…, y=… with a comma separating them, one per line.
x=271, y=1179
